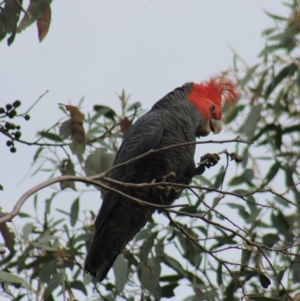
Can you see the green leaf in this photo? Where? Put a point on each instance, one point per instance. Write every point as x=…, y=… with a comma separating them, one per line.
x=93, y=163
x=78, y=285
x=268, y=31
x=12, y=14
x=173, y=263
x=245, y=257
x=280, y=223
x=168, y=290
x=232, y=113
x=252, y=119
x=219, y=178
x=142, y=234
x=204, y=180
x=278, y=138
x=106, y=111
x=8, y=236
x=236, y=181
x=134, y=106
x=46, y=239
x=67, y=168
x=248, y=175
x=269, y=49
x=270, y=239
x=255, y=297
x=147, y=246
x=264, y=280
x=54, y=283
x=10, y=278
x=291, y=129
x=65, y=129
x=149, y=274
x=120, y=268
x=203, y=296
x=77, y=147
x=98, y=161
x=37, y=153
x=171, y=278
x=236, y=206
x=23, y=214
x=27, y=229
x=192, y=252
x=276, y=267
x=48, y=268
x=107, y=160
x=63, y=211
x=74, y=212
x=248, y=75
x=295, y=267
x=285, y=72
x=50, y=136
x=272, y=173
x=3, y=25
x=159, y=247
x=281, y=201
x=245, y=156
x=220, y=274
x=275, y=17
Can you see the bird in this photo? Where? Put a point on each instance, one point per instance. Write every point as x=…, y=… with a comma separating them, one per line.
x=191, y=111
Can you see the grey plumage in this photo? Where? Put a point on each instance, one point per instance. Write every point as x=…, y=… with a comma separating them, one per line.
x=171, y=120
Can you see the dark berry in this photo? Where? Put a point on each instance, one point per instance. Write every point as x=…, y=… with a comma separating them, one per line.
x=13, y=149
x=7, y=125
x=16, y=103
x=27, y=117
x=18, y=127
x=8, y=107
x=12, y=126
x=17, y=135
x=12, y=114
x=9, y=143
x=2, y=110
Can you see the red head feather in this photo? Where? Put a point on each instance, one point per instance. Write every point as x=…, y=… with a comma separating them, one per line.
x=211, y=93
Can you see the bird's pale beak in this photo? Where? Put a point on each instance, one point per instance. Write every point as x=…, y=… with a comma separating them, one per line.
x=215, y=125
x=212, y=125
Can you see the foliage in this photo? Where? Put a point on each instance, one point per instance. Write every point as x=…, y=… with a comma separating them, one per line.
x=38, y=11
x=233, y=243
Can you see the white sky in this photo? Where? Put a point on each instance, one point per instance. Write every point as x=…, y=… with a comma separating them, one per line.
x=97, y=48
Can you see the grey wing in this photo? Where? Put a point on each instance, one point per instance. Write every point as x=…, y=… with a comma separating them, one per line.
x=144, y=135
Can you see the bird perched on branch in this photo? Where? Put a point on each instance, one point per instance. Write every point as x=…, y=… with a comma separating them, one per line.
x=190, y=111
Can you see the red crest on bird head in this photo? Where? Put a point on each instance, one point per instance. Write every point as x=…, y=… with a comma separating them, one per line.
x=208, y=96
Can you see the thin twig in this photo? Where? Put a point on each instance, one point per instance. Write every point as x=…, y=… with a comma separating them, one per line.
x=23, y=9
x=194, y=240
x=88, y=180
x=40, y=96
x=104, y=135
x=153, y=151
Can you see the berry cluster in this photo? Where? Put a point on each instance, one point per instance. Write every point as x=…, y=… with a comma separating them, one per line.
x=10, y=128
x=10, y=110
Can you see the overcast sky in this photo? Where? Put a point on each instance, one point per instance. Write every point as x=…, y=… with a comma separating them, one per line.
x=97, y=48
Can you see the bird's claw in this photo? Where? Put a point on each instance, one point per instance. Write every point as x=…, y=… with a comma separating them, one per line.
x=207, y=161
x=169, y=177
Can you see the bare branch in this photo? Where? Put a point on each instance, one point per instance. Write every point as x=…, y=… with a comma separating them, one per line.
x=88, y=180
x=153, y=151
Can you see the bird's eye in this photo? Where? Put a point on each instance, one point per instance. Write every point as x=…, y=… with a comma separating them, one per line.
x=212, y=108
